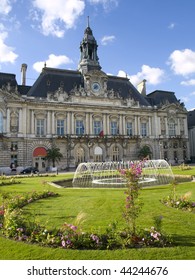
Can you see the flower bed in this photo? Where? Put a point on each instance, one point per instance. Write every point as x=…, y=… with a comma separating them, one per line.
x=180, y=202
x=14, y=224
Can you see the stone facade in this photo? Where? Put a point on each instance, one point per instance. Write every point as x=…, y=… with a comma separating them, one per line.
x=89, y=115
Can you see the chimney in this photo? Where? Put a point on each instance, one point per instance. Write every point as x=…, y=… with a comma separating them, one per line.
x=141, y=87
x=23, y=74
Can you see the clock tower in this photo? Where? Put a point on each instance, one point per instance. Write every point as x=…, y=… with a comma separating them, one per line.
x=88, y=50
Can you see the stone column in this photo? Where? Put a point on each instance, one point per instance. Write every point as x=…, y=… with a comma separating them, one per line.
x=104, y=124
x=48, y=123
x=137, y=125
x=124, y=125
x=166, y=127
x=91, y=130
x=20, y=124
x=53, y=132
x=108, y=123
x=8, y=121
x=120, y=124
x=88, y=123
x=149, y=126
x=178, y=127
x=68, y=123
x=72, y=123
x=32, y=122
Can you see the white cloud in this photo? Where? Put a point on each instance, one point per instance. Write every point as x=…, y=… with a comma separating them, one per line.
x=182, y=62
x=185, y=99
x=122, y=73
x=57, y=15
x=188, y=83
x=5, y=7
x=6, y=53
x=153, y=75
x=107, y=4
x=107, y=39
x=192, y=93
x=53, y=61
x=171, y=25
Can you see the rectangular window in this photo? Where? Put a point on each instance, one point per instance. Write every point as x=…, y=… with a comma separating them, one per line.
x=40, y=127
x=14, y=146
x=97, y=127
x=60, y=127
x=129, y=129
x=114, y=128
x=143, y=129
x=172, y=129
x=79, y=127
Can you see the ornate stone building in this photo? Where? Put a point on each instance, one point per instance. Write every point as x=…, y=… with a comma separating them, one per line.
x=89, y=115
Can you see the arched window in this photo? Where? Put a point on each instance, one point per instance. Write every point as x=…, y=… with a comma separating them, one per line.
x=115, y=154
x=172, y=128
x=98, y=154
x=1, y=122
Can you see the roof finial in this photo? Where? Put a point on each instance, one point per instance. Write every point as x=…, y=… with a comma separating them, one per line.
x=87, y=21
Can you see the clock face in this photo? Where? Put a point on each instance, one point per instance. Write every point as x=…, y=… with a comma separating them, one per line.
x=95, y=87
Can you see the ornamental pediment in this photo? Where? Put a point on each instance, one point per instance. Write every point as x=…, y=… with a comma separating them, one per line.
x=174, y=108
x=9, y=92
x=59, y=95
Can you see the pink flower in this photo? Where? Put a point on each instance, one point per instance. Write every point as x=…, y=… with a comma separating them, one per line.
x=155, y=235
x=122, y=171
x=73, y=227
x=63, y=243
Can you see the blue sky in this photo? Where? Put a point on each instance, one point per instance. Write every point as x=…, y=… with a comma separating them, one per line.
x=143, y=39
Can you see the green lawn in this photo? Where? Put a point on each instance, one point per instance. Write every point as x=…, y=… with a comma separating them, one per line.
x=177, y=170
x=102, y=207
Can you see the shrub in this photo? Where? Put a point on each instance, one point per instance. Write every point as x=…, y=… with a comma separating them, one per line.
x=180, y=202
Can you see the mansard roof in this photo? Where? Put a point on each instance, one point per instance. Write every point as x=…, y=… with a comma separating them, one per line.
x=8, y=82
x=51, y=79
x=7, y=78
x=125, y=89
x=161, y=97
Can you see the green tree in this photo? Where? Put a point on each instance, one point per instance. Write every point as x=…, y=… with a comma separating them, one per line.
x=54, y=155
x=144, y=152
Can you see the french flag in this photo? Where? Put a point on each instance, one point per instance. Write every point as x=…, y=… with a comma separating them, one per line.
x=101, y=134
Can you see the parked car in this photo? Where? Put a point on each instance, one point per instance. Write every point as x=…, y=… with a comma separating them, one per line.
x=28, y=170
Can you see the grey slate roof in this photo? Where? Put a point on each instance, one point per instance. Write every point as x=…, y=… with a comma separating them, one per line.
x=126, y=89
x=51, y=79
x=160, y=97
x=23, y=90
x=6, y=78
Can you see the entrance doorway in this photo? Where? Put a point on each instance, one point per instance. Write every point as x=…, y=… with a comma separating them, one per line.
x=39, y=160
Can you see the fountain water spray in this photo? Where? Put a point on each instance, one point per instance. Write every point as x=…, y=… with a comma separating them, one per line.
x=107, y=175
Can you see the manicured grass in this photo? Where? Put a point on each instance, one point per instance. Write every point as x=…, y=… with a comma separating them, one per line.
x=102, y=207
x=177, y=170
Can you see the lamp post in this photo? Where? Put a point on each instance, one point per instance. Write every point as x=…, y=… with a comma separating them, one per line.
x=160, y=145
x=68, y=151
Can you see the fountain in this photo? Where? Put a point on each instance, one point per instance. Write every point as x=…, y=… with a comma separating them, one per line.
x=107, y=175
